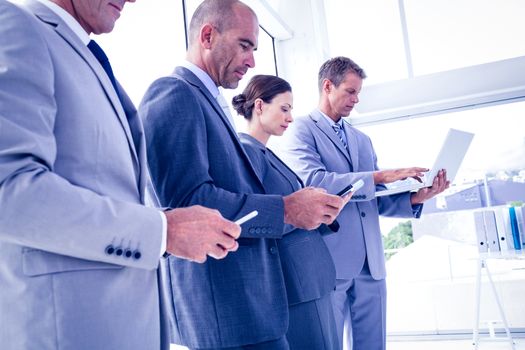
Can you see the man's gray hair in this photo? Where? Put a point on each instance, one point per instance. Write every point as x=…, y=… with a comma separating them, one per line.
x=336, y=69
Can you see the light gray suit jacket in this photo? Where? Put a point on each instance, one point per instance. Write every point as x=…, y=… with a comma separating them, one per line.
x=72, y=177
x=313, y=150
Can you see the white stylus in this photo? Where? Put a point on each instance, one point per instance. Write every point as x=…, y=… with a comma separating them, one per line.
x=357, y=185
x=247, y=217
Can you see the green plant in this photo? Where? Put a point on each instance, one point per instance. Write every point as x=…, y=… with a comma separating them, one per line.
x=398, y=237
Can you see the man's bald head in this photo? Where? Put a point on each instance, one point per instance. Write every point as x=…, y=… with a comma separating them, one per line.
x=219, y=13
x=222, y=39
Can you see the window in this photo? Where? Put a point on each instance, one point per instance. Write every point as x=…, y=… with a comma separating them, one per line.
x=428, y=56
x=431, y=282
x=441, y=35
x=369, y=32
x=450, y=34
x=146, y=44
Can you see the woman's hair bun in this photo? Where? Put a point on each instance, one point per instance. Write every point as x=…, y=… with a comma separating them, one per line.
x=238, y=104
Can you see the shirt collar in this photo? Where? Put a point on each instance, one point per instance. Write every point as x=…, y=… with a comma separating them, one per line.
x=70, y=21
x=331, y=121
x=203, y=77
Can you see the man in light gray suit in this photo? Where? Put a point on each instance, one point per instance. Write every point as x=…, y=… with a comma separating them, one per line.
x=78, y=249
x=328, y=152
x=238, y=302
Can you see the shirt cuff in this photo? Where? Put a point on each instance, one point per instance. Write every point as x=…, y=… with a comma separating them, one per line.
x=164, y=234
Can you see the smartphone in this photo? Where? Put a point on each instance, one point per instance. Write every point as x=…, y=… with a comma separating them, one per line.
x=351, y=188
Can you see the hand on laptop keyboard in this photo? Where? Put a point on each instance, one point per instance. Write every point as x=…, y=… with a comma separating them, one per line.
x=391, y=175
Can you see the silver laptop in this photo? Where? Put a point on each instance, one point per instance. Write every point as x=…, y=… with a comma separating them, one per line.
x=450, y=157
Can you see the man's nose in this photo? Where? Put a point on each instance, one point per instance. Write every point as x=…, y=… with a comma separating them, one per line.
x=250, y=60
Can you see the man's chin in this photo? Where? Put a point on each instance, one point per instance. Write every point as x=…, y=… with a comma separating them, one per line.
x=231, y=84
x=346, y=113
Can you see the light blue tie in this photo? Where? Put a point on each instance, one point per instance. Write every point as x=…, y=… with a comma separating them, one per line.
x=225, y=108
x=340, y=133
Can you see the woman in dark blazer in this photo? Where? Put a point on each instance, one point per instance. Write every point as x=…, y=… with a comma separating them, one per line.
x=308, y=270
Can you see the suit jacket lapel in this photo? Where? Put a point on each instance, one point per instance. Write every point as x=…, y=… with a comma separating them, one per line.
x=352, y=144
x=49, y=17
x=325, y=127
x=191, y=78
x=138, y=139
x=280, y=170
x=186, y=75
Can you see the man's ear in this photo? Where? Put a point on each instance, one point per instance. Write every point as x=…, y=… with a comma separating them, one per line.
x=327, y=85
x=206, y=33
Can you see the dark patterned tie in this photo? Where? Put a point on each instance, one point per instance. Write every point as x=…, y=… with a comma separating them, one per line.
x=338, y=130
x=104, y=62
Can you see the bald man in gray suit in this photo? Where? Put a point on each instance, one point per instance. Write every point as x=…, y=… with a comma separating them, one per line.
x=238, y=302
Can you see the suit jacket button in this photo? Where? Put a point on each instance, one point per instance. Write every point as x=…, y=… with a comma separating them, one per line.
x=273, y=250
x=264, y=230
x=128, y=253
x=363, y=214
x=251, y=230
x=119, y=251
x=109, y=249
x=257, y=230
x=137, y=254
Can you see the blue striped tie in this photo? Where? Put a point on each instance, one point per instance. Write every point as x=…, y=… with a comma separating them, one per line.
x=338, y=130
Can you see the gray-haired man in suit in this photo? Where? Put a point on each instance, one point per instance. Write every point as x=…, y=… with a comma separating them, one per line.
x=328, y=152
x=238, y=302
x=78, y=249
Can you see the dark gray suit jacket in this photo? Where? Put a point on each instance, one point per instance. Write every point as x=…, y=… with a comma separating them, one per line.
x=196, y=157
x=309, y=272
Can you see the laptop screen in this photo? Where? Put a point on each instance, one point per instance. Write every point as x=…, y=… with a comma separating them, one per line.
x=449, y=157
